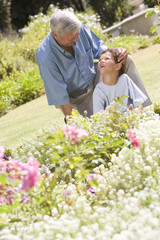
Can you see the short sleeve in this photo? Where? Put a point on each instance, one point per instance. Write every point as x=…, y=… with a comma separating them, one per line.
x=98, y=101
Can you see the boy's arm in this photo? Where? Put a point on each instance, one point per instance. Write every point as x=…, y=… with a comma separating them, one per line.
x=98, y=101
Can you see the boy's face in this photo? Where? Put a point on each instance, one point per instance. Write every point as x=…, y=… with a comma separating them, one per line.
x=106, y=63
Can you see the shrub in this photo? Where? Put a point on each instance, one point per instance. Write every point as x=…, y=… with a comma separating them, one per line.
x=92, y=176
x=131, y=42
x=11, y=60
x=150, y=13
x=157, y=108
x=17, y=57
x=19, y=89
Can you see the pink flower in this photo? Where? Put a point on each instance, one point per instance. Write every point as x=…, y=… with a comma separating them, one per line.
x=74, y=134
x=26, y=173
x=133, y=138
x=2, y=151
x=25, y=199
x=30, y=179
x=68, y=192
x=91, y=190
x=91, y=176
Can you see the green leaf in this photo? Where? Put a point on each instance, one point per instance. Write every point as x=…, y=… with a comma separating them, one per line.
x=2, y=225
x=71, y=165
x=6, y=209
x=15, y=220
x=124, y=96
x=3, y=179
x=77, y=159
x=93, y=183
x=150, y=13
x=153, y=29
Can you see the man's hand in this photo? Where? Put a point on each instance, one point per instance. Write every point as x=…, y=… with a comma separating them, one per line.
x=67, y=109
x=122, y=52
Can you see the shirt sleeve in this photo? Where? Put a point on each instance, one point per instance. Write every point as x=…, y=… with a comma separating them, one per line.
x=135, y=93
x=98, y=101
x=55, y=86
x=96, y=43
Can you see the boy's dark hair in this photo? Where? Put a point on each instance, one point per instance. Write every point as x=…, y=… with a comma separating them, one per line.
x=114, y=53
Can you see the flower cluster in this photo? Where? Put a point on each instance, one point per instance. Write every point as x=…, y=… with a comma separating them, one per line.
x=117, y=197
x=133, y=138
x=16, y=176
x=74, y=134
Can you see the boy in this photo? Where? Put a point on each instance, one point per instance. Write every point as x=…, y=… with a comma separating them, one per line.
x=115, y=83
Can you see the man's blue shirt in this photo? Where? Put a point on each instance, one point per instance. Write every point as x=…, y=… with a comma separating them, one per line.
x=61, y=72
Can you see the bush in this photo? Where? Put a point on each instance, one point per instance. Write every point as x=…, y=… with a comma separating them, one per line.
x=157, y=108
x=19, y=89
x=5, y=20
x=131, y=42
x=91, y=175
x=17, y=57
x=151, y=3
x=112, y=11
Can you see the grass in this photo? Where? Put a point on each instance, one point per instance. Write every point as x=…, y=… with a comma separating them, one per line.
x=147, y=61
x=26, y=120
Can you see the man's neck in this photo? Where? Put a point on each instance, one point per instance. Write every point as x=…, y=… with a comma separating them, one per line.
x=69, y=49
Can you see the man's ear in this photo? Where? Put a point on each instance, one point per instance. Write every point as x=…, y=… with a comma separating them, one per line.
x=118, y=66
x=54, y=35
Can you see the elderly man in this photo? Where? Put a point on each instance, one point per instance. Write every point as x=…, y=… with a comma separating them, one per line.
x=66, y=63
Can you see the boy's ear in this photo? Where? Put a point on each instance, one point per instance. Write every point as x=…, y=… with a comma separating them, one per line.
x=118, y=66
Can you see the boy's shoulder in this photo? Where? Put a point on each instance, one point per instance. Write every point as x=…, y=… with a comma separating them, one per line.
x=99, y=85
x=124, y=76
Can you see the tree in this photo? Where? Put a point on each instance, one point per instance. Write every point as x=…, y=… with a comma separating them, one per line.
x=151, y=3
x=78, y=5
x=5, y=20
x=111, y=11
x=22, y=9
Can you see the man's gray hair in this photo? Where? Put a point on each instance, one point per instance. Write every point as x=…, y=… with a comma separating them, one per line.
x=64, y=21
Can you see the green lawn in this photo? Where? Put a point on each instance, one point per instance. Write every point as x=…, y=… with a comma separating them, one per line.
x=148, y=64
x=26, y=120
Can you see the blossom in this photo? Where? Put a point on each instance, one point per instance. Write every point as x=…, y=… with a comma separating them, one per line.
x=91, y=176
x=25, y=199
x=74, y=134
x=132, y=30
x=30, y=179
x=133, y=138
x=26, y=173
x=91, y=190
x=68, y=192
x=2, y=151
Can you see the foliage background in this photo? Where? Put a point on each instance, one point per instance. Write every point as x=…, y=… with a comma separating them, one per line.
x=16, y=13
x=20, y=81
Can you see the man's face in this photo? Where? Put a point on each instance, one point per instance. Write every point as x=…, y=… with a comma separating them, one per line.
x=67, y=39
x=106, y=63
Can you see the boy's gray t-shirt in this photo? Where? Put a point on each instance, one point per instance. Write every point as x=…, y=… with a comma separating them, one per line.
x=104, y=94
